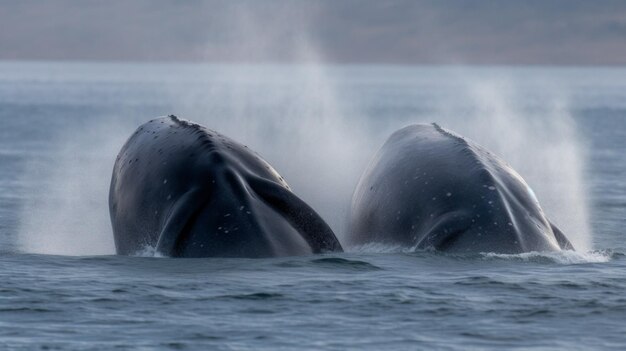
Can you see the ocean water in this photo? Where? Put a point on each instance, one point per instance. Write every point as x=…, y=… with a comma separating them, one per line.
x=62, y=287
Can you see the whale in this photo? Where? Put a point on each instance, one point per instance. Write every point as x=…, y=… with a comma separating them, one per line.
x=429, y=188
x=182, y=190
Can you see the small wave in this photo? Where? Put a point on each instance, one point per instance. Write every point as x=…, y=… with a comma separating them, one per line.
x=255, y=296
x=560, y=257
x=345, y=263
x=27, y=309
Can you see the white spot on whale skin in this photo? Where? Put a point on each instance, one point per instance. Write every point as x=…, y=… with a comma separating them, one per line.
x=165, y=181
x=227, y=215
x=449, y=194
x=492, y=188
x=169, y=197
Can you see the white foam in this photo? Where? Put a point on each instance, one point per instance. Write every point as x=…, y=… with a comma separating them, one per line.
x=148, y=251
x=561, y=257
x=375, y=247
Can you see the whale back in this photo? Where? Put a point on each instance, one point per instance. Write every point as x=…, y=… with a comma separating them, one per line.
x=431, y=188
x=191, y=192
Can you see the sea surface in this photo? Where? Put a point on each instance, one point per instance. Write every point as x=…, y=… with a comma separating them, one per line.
x=63, y=288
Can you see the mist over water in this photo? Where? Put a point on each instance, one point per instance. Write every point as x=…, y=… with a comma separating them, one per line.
x=67, y=211
x=318, y=125
x=315, y=124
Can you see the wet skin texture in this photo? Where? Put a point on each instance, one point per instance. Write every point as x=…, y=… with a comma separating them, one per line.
x=432, y=189
x=190, y=192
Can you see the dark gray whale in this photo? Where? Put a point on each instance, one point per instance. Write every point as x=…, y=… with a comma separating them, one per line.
x=190, y=192
x=432, y=189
